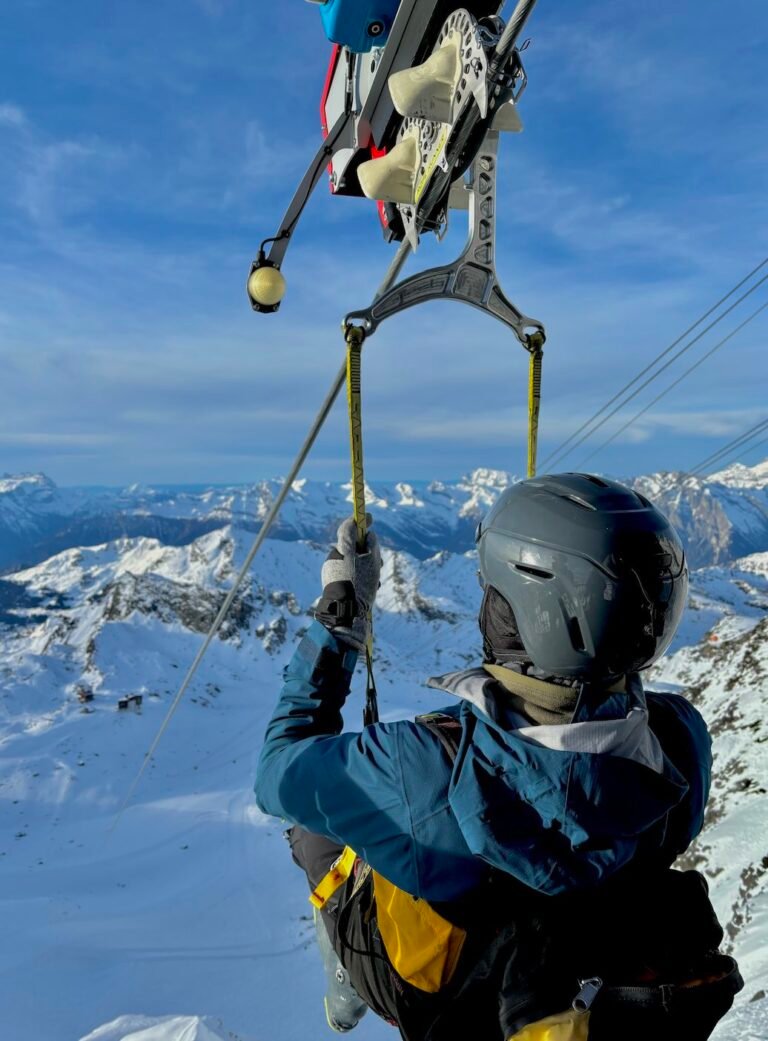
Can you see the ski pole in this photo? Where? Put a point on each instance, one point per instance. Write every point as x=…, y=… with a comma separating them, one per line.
x=391, y=276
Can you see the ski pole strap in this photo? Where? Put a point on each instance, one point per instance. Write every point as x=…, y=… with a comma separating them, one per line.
x=354, y=337
x=534, y=400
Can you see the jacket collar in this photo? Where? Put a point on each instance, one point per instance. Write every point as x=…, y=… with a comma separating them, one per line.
x=620, y=727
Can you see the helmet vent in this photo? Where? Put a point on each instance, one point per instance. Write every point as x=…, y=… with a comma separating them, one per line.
x=589, y=477
x=534, y=572
x=574, y=631
x=579, y=502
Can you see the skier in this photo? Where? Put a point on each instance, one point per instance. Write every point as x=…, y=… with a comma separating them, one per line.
x=501, y=869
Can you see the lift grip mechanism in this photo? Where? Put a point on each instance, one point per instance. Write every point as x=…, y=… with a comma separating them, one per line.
x=470, y=279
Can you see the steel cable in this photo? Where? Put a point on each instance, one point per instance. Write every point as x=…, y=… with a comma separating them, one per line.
x=744, y=449
x=736, y=443
x=675, y=383
x=563, y=450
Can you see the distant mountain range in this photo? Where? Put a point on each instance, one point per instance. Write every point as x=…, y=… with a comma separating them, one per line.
x=721, y=518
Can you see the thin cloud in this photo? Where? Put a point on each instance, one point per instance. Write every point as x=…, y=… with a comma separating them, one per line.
x=214, y=8
x=480, y=428
x=12, y=115
x=51, y=179
x=49, y=440
x=128, y=226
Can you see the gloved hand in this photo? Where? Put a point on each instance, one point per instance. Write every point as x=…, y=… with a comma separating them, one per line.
x=350, y=582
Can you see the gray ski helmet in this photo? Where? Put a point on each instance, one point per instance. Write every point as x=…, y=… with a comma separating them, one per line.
x=595, y=575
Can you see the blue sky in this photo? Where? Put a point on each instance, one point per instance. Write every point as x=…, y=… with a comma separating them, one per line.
x=145, y=149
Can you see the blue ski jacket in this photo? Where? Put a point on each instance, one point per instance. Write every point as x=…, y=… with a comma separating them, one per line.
x=559, y=807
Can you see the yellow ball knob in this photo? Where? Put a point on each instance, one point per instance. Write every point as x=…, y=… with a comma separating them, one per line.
x=266, y=286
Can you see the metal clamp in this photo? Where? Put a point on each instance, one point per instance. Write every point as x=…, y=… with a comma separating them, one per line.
x=471, y=278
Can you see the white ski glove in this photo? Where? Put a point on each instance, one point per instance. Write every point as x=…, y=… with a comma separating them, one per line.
x=350, y=583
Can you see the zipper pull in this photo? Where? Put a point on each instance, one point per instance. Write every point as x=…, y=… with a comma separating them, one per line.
x=586, y=997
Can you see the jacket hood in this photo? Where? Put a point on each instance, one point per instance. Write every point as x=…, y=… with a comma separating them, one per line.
x=558, y=806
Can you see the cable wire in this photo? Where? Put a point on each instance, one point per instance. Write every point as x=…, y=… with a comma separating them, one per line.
x=391, y=276
x=675, y=383
x=758, y=428
x=560, y=451
x=745, y=449
x=736, y=443
x=751, y=448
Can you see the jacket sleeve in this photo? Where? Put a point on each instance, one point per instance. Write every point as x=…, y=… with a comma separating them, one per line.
x=311, y=774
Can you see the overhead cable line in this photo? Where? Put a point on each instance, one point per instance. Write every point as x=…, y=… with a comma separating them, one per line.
x=737, y=444
x=563, y=450
x=758, y=428
x=677, y=382
x=751, y=448
x=744, y=450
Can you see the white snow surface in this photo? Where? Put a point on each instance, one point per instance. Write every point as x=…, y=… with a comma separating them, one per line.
x=747, y=1022
x=187, y=921
x=740, y=476
x=191, y=904
x=164, y=1028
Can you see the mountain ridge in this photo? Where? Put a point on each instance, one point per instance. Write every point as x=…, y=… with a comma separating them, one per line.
x=721, y=518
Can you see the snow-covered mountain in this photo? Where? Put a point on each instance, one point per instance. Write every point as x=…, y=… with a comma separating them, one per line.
x=722, y=517
x=187, y=920
x=37, y=519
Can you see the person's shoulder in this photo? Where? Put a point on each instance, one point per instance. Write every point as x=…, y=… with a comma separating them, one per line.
x=674, y=716
x=444, y=713
x=419, y=743
x=421, y=729
x=672, y=704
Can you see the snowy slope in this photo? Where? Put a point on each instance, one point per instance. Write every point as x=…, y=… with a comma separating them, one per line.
x=190, y=906
x=722, y=518
x=726, y=677
x=187, y=922
x=162, y=1028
